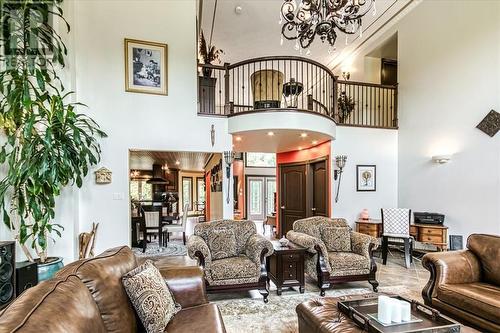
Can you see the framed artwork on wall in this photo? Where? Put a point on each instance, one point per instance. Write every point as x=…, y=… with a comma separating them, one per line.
x=146, y=69
x=366, y=178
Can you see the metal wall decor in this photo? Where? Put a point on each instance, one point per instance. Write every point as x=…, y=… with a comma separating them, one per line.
x=322, y=18
x=103, y=176
x=490, y=124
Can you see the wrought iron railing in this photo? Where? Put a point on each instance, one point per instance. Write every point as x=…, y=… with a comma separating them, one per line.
x=269, y=83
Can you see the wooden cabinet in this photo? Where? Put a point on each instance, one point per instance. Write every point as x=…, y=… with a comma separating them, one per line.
x=436, y=235
x=285, y=267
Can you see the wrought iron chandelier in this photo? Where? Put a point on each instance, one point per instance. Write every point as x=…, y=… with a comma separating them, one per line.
x=311, y=18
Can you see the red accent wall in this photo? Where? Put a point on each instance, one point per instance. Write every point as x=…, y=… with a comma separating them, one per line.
x=207, y=196
x=321, y=150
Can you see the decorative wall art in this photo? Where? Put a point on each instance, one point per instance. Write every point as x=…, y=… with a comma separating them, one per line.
x=103, y=176
x=216, y=178
x=146, y=69
x=366, y=178
x=490, y=124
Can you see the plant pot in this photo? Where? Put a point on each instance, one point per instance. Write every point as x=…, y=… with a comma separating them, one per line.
x=207, y=72
x=48, y=269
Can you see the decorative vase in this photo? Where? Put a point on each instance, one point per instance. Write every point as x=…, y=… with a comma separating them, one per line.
x=48, y=269
x=266, y=88
x=364, y=214
x=207, y=72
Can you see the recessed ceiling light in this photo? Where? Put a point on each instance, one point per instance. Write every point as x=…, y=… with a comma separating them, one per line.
x=177, y=162
x=315, y=142
x=303, y=135
x=270, y=133
x=238, y=138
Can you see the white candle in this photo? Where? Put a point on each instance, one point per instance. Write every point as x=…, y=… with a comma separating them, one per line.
x=384, y=309
x=405, y=311
x=395, y=310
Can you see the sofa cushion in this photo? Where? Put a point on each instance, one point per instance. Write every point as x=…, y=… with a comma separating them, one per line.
x=313, y=225
x=56, y=306
x=242, y=229
x=222, y=244
x=336, y=238
x=150, y=296
x=487, y=250
x=481, y=299
x=204, y=318
x=348, y=263
x=233, y=268
x=103, y=277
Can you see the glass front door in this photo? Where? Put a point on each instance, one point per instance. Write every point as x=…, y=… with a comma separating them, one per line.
x=260, y=197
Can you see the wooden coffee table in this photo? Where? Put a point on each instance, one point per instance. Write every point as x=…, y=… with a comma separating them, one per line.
x=285, y=267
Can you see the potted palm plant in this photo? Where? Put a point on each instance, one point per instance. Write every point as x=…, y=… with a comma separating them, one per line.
x=46, y=144
x=208, y=55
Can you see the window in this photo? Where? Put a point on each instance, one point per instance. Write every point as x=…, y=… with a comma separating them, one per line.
x=200, y=190
x=187, y=192
x=261, y=160
x=140, y=190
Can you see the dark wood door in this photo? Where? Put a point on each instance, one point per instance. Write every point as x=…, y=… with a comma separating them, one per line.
x=319, y=190
x=292, y=196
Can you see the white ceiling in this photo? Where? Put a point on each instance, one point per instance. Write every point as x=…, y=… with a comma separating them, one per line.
x=282, y=140
x=256, y=31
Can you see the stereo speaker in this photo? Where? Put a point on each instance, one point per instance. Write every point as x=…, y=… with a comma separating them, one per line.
x=26, y=276
x=456, y=242
x=7, y=273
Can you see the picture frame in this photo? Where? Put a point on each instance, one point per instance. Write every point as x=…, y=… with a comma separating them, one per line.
x=366, y=178
x=146, y=67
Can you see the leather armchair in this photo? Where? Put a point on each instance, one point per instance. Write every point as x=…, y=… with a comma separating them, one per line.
x=466, y=284
x=330, y=267
x=242, y=267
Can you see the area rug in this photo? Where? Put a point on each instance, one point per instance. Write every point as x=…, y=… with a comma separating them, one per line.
x=154, y=250
x=247, y=314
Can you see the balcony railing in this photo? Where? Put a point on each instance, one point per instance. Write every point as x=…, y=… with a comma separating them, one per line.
x=263, y=84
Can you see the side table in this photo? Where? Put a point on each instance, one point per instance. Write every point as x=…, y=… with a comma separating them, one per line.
x=285, y=267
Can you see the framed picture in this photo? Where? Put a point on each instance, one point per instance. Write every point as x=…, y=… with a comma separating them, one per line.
x=146, y=67
x=366, y=178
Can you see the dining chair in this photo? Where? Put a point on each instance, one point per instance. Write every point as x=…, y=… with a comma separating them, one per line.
x=176, y=227
x=396, y=231
x=152, y=221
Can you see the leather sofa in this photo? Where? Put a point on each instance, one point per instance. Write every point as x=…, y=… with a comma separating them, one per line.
x=88, y=296
x=466, y=284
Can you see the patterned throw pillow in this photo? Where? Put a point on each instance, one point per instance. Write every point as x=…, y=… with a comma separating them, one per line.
x=150, y=296
x=222, y=244
x=337, y=239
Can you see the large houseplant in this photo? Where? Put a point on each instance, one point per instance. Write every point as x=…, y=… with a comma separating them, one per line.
x=208, y=54
x=46, y=145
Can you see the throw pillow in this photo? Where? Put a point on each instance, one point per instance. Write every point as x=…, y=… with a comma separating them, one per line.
x=222, y=244
x=337, y=239
x=150, y=296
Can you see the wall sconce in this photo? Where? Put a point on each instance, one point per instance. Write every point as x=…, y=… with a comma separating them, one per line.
x=229, y=159
x=441, y=159
x=337, y=174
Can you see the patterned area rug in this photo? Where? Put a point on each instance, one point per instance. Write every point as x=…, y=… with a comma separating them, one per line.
x=251, y=314
x=154, y=250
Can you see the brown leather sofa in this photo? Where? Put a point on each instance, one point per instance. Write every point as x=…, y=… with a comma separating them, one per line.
x=87, y=296
x=466, y=284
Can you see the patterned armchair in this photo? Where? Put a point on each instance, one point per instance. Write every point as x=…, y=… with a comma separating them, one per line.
x=335, y=253
x=232, y=255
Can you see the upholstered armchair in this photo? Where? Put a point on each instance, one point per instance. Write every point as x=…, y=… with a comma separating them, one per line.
x=232, y=255
x=335, y=253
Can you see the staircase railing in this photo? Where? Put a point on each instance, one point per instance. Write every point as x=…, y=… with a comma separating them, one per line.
x=256, y=85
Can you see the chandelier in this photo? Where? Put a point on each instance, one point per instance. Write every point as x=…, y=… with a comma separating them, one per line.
x=321, y=18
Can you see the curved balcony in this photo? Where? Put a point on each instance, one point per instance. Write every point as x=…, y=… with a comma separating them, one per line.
x=293, y=84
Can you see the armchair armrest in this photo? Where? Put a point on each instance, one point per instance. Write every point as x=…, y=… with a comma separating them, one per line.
x=449, y=268
x=186, y=284
x=198, y=249
x=363, y=244
x=257, y=248
x=312, y=244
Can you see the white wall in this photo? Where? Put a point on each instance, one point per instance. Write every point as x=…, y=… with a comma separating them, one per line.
x=449, y=78
x=134, y=120
x=366, y=146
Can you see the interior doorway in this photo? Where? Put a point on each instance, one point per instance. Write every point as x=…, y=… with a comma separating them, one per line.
x=260, y=197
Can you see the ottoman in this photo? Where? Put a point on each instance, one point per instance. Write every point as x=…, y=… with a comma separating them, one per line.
x=322, y=315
